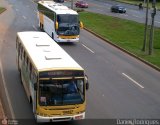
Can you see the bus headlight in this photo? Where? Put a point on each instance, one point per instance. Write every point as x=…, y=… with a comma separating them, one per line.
x=78, y=117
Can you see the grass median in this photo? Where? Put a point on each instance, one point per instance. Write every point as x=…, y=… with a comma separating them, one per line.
x=124, y=33
x=2, y=9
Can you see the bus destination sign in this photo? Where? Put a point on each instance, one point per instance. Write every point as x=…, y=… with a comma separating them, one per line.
x=61, y=73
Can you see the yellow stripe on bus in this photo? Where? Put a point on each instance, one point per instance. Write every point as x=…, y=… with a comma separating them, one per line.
x=68, y=37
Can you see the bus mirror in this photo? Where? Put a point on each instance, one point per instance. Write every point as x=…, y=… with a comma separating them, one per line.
x=81, y=25
x=87, y=83
x=56, y=25
x=35, y=86
x=87, y=86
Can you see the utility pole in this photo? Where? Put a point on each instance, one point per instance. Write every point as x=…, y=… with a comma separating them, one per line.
x=146, y=28
x=153, y=13
x=71, y=4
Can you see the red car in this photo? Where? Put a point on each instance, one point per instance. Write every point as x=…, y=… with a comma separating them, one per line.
x=81, y=4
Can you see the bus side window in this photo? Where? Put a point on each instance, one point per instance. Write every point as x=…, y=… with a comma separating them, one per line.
x=21, y=52
x=54, y=16
x=34, y=77
x=17, y=45
x=27, y=61
x=30, y=70
x=18, y=48
x=24, y=58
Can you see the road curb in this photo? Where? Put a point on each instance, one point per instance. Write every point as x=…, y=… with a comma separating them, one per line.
x=124, y=50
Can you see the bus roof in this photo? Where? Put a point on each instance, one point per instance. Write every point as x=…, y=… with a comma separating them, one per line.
x=45, y=53
x=57, y=7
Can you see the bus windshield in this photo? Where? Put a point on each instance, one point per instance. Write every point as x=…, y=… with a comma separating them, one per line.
x=61, y=92
x=68, y=24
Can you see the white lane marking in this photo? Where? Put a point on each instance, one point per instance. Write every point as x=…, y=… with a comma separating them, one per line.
x=106, y=4
x=88, y=48
x=133, y=80
x=120, y=14
x=17, y=10
x=134, y=11
x=100, y=10
x=24, y=17
x=6, y=92
x=136, y=16
x=34, y=27
x=156, y=21
x=125, y=15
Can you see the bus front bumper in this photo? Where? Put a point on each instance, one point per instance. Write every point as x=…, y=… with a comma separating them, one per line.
x=67, y=40
x=43, y=119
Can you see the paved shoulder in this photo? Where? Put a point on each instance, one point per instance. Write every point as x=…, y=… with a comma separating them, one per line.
x=4, y=4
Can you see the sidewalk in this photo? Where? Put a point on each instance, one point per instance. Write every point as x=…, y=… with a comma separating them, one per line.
x=2, y=4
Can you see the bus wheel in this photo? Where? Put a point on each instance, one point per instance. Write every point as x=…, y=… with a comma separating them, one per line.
x=36, y=119
x=30, y=100
x=52, y=35
x=20, y=76
x=42, y=27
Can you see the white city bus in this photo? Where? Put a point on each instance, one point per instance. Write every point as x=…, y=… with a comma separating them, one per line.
x=59, y=21
x=54, y=82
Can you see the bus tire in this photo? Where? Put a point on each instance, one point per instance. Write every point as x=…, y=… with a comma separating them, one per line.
x=42, y=27
x=30, y=99
x=20, y=76
x=52, y=36
x=35, y=116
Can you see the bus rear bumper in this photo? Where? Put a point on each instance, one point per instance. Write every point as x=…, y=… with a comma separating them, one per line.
x=43, y=119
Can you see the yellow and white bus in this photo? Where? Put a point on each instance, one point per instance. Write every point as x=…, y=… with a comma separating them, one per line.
x=59, y=21
x=54, y=82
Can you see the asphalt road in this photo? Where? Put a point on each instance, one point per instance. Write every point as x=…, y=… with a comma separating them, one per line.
x=133, y=12
x=121, y=87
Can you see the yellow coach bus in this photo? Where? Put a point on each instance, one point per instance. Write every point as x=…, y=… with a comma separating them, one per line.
x=54, y=82
x=59, y=21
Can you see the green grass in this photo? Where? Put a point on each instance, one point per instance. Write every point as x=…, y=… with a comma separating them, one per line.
x=2, y=9
x=124, y=33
